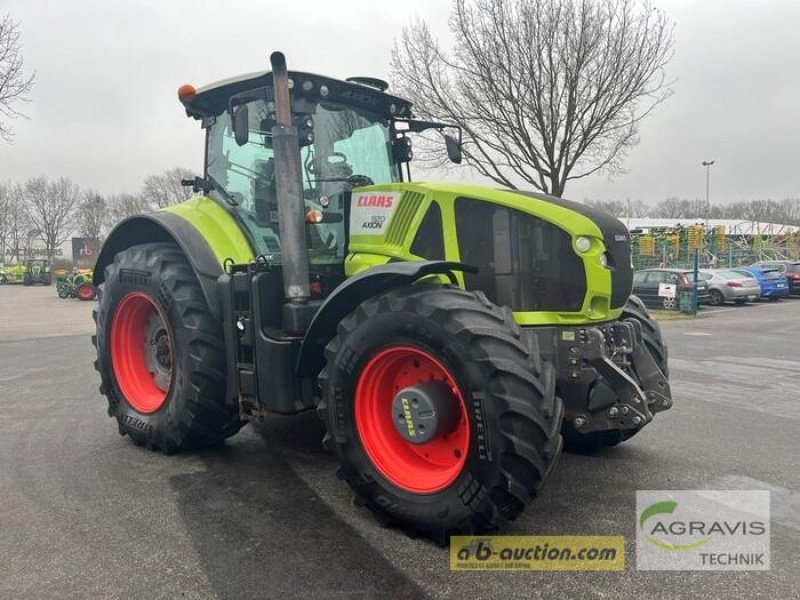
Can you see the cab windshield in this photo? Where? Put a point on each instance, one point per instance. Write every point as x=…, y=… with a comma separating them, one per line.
x=350, y=148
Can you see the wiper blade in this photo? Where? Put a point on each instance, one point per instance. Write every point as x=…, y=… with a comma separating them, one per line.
x=208, y=184
x=222, y=191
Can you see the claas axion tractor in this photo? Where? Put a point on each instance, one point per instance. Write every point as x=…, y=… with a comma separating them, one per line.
x=451, y=337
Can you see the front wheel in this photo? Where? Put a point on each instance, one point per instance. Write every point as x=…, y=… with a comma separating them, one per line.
x=161, y=353
x=716, y=298
x=442, y=419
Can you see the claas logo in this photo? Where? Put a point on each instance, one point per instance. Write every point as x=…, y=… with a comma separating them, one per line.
x=376, y=201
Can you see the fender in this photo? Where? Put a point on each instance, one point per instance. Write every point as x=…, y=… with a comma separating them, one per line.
x=165, y=227
x=353, y=292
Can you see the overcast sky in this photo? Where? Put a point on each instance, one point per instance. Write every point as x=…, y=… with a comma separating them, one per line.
x=105, y=111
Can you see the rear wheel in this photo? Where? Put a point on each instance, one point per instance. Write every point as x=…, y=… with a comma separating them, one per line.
x=160, y=352
x=443, y=421
x=634, y=310
x=86, y=292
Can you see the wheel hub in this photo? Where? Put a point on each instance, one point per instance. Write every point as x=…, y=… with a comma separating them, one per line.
x=404, y=389
x=421, y=412
x=157, y=351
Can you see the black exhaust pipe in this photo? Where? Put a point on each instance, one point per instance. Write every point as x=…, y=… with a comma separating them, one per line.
x=289, y=188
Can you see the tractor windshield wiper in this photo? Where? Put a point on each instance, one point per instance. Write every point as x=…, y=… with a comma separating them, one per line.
x=207, y=184
x=222, y=191
x=353, y=180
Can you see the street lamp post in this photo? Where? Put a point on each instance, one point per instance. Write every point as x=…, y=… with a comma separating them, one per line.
x=707, y=164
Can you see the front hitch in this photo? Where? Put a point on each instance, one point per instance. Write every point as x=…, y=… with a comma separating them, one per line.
x=618, y=354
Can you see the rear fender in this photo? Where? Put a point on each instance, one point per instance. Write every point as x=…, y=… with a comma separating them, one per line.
x=167, y=227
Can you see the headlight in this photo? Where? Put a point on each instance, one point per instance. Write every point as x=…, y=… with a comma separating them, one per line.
x=604, y=260
x=583, y=244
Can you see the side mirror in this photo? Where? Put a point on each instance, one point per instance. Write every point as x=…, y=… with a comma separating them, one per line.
x=453, y=149
x=241, y=124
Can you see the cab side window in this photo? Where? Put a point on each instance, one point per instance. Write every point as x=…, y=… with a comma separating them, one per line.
x=429, y=243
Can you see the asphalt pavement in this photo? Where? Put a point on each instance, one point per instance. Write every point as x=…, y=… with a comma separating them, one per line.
x=85, y=514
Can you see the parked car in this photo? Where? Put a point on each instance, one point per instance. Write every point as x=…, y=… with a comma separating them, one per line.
x=729, y=286
x=774, y=285
x=647, y=284
x=788, y=268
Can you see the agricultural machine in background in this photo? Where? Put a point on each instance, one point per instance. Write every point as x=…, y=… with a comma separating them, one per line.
x=77, y=284
x=37, y=271
x=448, y=335
x=33, y=271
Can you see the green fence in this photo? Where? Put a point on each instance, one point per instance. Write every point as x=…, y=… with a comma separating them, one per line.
x=675, y=247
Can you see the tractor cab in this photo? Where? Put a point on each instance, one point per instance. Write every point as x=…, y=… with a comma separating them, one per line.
x=350, y=134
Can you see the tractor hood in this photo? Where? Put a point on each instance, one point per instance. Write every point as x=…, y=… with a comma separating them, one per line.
x=536, y=253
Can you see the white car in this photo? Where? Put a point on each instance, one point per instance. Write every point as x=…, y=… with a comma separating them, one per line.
x=730, y=286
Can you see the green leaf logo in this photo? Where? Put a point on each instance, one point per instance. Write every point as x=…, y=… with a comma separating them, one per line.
x=667, y=507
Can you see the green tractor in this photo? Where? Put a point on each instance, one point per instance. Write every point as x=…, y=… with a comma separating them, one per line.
x=78, y=285
x=37, y=271
x=451, y=337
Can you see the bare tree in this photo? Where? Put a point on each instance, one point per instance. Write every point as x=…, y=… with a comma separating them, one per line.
x=546, y=91
x=165, y=189
x=14, y=84
x=16, y=224
x=122, y=206
x=92, y=215
x=622, y=208
x=52, y=207
x=5, y=210
x=671, y=208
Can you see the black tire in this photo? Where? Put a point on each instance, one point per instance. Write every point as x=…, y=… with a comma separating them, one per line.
x=507, y=390
x=26, y=280
x=3, y=279
x=634, y=310
x=716, y=298
x=47, y=279
x=651, y=331
x=740, y=301
x=195, y=411
x=62, y=290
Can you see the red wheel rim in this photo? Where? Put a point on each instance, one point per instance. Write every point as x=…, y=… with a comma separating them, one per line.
x=141, y=352
x=85, y=292
x=419, y=468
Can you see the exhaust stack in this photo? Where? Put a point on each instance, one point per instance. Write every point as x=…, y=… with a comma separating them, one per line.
x=289, y=188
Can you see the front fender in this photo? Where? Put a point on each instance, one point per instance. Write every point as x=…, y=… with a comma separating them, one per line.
x=353, y=292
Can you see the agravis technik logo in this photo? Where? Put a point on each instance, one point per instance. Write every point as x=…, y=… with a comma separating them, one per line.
x=703, y=530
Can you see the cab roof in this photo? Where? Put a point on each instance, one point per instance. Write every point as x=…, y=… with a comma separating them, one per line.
x=213, y=99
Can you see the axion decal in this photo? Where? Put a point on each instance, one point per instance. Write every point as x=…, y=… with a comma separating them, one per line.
x=371, y=212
